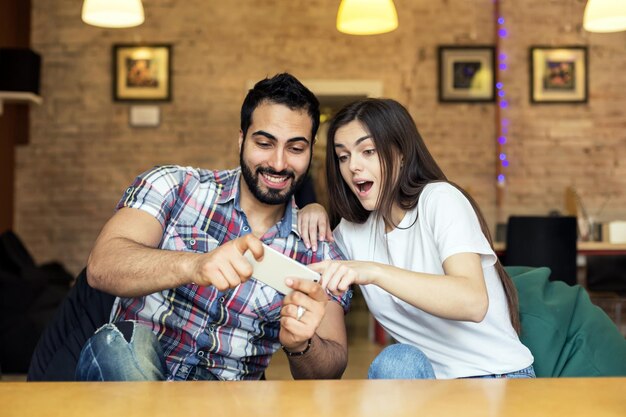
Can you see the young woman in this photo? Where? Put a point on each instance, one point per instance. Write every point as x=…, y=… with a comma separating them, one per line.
x=420, y=251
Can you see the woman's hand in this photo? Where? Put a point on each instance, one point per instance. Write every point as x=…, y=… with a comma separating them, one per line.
x=313, y=224
x=337, y=276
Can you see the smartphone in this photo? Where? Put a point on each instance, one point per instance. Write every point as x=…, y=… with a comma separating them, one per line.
x=276, y=267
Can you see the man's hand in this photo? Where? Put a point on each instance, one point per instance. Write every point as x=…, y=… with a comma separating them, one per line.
x=125, y=260
x=294, y=332
x=225, y=267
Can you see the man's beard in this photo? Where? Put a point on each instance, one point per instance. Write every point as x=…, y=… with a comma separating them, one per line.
x=271, y=196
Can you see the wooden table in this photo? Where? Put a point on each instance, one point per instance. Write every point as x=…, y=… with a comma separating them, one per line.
x=583, y=248
x=569, y=397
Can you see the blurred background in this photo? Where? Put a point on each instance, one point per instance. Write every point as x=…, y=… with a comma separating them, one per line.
x=67, y=157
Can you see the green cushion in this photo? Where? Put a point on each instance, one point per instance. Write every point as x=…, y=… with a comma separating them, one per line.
x=566, y=333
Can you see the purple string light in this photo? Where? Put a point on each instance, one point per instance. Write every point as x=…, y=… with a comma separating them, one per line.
x=503, y=103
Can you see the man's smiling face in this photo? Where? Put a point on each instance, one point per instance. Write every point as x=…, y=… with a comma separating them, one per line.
x=276, y=153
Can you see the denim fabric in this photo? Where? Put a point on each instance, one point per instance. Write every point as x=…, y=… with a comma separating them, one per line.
x=402, y=361
x=528, y=372
x=109, y=356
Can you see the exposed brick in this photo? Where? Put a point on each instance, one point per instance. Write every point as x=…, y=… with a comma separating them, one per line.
x=82, y=152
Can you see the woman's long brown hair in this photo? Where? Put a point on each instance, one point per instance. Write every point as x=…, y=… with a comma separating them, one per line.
x=394, y=134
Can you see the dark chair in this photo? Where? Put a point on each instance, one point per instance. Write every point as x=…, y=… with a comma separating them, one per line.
x=543, y=241
x=82, y=312
x=30, y=294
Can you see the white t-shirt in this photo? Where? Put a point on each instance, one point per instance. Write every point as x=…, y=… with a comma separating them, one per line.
x=446, y=225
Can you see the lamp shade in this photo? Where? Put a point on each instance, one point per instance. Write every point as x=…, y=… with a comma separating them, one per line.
x=366, y=17
x=605, y=16
x=113, y=13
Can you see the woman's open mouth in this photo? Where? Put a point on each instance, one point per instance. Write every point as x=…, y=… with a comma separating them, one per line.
x=364, y=186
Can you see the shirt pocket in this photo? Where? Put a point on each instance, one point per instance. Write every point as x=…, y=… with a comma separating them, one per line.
x=190, y=238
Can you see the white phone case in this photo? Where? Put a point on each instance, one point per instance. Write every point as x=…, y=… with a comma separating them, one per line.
x=276, y=267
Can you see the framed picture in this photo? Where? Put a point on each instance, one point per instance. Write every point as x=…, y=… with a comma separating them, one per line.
x=467, y=74
x=558, y=74
x=142, y=72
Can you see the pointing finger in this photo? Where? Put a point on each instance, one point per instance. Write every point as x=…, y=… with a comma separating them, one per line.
x=252, y=243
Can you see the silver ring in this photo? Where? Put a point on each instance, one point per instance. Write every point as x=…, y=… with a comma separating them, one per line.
x=300, y=312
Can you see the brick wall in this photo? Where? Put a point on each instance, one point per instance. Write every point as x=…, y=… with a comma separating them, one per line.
x=82, y=153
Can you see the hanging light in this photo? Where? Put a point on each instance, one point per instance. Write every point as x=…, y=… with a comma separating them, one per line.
x=366, y=17
x=113, y=13
x=605, y=16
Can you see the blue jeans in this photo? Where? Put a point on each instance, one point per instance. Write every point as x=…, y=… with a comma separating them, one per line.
x=528, y=372
x=402, y=361
x=124, y=351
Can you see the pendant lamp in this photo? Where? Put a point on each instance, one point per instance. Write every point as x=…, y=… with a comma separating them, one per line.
x=605, y=16
x=366, y=17
x=113, y=13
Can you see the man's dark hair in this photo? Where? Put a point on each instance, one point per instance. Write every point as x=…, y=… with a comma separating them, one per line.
x=281, y=89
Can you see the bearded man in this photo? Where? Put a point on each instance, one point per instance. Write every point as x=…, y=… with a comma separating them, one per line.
x=187, y=306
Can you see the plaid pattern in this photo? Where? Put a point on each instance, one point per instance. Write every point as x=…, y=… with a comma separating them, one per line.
x=233, y=333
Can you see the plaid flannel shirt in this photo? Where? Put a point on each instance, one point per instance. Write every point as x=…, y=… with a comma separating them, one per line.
x=232, y=333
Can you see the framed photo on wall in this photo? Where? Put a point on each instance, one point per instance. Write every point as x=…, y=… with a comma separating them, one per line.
x=142, y=72
x=467, y=74
x=558, y=74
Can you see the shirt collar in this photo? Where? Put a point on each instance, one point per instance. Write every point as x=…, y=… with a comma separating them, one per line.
x=230, y=193
x=289, y=222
